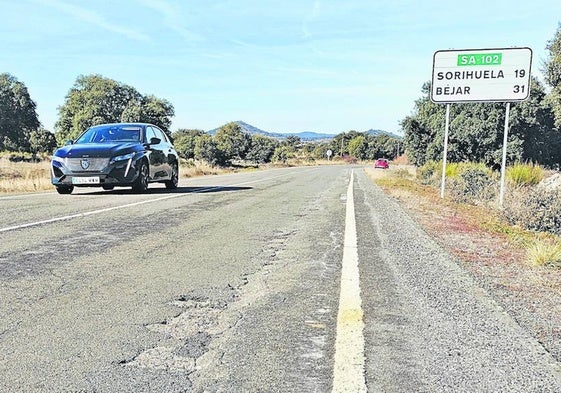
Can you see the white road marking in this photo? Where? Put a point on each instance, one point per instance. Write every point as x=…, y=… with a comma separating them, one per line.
x=85, y=214
x=90, y=213
x=348, y=371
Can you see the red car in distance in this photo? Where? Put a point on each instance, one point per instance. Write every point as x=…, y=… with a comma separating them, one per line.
x=382, y=163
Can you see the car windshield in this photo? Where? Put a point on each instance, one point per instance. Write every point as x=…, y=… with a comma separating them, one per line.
x=110, y=134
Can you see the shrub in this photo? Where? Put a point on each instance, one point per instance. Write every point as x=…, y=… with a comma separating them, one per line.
x=453, y=170
x=14, y=156
x=524, y=174
x=457, y=169
x=544, y=253
x=535, y=209
x=402, y=173
x=473, y=183
x=349, y=159
x=430, y=172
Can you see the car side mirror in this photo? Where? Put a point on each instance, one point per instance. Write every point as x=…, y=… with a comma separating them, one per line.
x=155, y=141
x=70, y=142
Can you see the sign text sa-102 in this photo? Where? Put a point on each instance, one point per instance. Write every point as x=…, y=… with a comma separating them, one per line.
x=476, y=75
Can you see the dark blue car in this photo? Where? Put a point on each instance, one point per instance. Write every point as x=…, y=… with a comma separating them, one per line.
x=120, y=154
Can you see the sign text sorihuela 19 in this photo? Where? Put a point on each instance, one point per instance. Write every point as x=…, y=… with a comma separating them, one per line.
x=475, y=75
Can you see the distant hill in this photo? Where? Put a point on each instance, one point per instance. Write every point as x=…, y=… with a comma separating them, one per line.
x=305, y=136
x=312, y=136
x=252, y=130
x=382, y=132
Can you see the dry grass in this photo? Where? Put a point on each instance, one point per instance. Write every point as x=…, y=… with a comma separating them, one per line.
x=471, y=232
x=525, y=174
x=199, y=168
x=544, y=252
x=24, y=176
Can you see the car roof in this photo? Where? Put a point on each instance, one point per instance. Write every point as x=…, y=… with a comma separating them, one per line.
x=126, y=124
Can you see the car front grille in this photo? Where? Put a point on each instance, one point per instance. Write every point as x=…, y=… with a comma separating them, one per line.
x=95, y=164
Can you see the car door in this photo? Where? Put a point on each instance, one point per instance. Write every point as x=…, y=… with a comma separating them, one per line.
x=167, y=151
x=155, y=153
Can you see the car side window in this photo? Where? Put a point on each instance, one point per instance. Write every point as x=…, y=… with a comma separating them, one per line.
x=160, y=134
x=150, y=134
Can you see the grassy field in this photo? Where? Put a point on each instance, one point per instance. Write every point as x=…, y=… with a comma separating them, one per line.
x=18, y=177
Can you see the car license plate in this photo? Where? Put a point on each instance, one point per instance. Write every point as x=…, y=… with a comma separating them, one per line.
x=86, y=180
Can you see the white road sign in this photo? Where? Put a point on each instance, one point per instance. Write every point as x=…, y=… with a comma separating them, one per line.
x=469, y=75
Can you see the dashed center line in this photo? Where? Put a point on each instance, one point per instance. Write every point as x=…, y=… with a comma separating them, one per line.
x=348, y=371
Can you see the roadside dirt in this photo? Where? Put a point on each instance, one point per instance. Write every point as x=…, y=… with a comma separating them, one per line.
x=531, y=295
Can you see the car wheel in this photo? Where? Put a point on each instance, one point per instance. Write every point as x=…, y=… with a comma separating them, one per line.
x=172, y=183
x=64, y=189
x=108, y=187
x=141, y=182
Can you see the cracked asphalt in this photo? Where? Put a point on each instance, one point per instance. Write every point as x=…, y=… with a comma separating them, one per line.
x=231, y=284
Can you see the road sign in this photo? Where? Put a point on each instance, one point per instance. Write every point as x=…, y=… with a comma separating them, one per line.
x=329, y=153
x=471, y=75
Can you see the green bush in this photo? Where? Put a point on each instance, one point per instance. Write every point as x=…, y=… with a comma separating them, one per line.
x=453, y=170
x=524, y=174
x=535, y=209
x=430, y=172
x=544, y=253
x=457, y=169
x=14, y=156
x=472, y=183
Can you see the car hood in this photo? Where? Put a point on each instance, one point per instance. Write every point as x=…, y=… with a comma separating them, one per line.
x=97, y=149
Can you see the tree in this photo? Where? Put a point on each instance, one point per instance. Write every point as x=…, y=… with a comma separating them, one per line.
x=282, y=154
x=95, y=100
x=292, y=142
x=476, y=130
x=42, y=141
x=18, y=116
x=381, y=146
x=357, y=147
x=232, y=141
x=552, y=70
x=320, y=151
x=207, y=150
x=185, y=141
x=151, y=110
x=262, y=149
x=340, y=142
x=533, y=123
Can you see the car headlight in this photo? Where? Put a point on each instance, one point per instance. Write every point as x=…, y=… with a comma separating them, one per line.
x=58, y=159
x=124, y=157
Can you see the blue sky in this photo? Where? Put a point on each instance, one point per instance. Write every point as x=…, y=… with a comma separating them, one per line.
x=282, y=66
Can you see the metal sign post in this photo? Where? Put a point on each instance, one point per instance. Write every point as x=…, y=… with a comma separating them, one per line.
x=503, y=166
x=446, y=128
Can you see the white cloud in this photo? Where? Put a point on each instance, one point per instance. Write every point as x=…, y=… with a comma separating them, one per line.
x=91, y=17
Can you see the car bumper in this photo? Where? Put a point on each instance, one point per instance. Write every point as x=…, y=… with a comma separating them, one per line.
x=122, y=173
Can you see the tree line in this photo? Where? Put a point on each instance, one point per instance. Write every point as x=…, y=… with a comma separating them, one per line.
x=476, y=129
x=232, y=144
x=95, y=99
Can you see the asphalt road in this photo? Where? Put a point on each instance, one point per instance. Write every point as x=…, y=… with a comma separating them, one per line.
x=232, y=284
